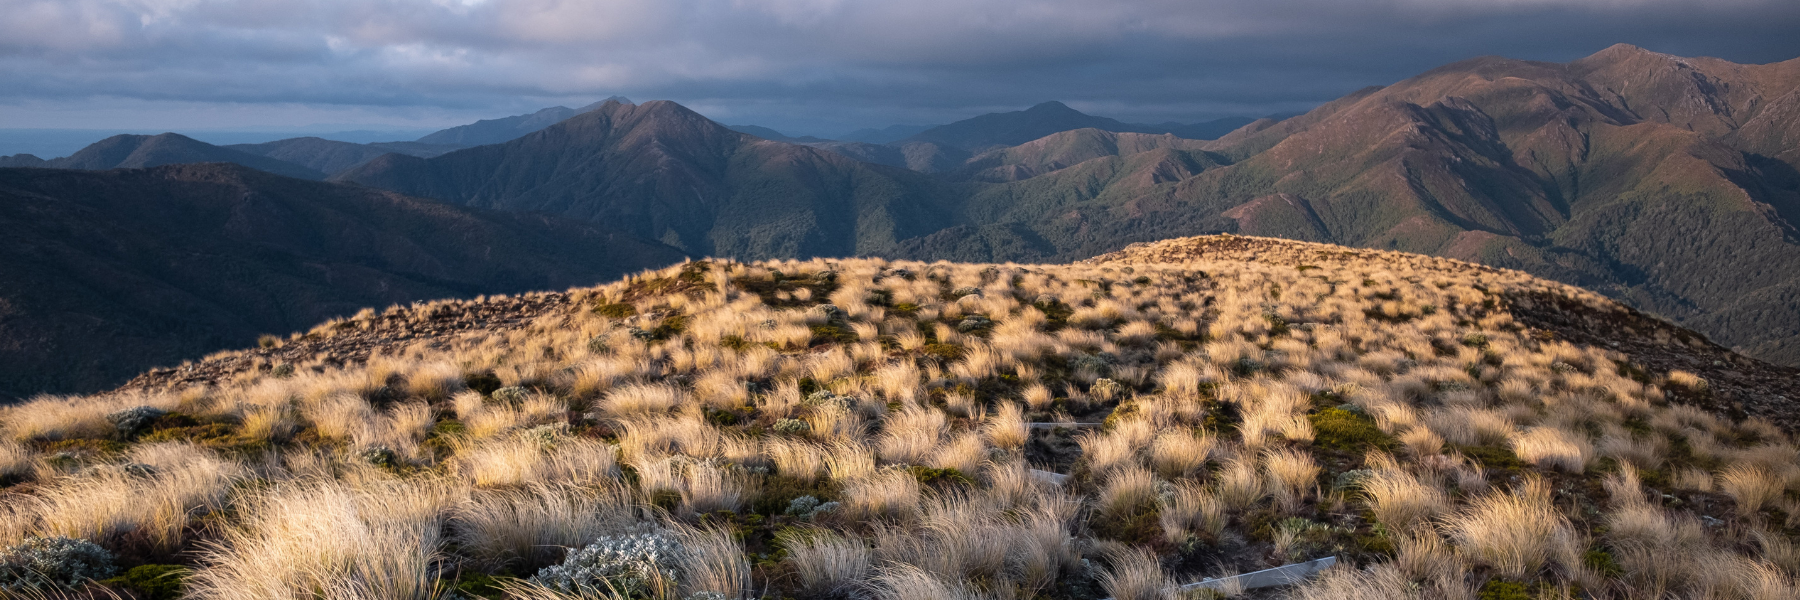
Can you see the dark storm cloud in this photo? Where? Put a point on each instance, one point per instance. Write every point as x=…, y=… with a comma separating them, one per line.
x=812, y=66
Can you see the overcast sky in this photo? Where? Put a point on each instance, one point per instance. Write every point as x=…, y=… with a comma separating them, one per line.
x=817, y=67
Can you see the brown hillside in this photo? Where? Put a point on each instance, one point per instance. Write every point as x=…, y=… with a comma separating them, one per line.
x=1740, y=386
x=1204, y=407
x=105, y=274
x=1665, y=182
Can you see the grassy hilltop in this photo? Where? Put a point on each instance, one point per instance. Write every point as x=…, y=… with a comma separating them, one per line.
x=865, y=428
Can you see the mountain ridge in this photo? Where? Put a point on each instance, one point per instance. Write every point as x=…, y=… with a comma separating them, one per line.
x=141, y=151
x=506, y=129
x=111, y=272
x=1545, y=167
x=332, y=157
x=667, y=173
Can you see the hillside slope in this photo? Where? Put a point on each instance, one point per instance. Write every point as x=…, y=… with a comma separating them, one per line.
x=989, y=131
x=142, y=151
x=506, y=129
x=104, y=274
x=332, y=157
x=1205, y=407
x=661, y=171
x=1654, y=179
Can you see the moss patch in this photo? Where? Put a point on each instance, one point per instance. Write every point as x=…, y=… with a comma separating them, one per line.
x=617, y=310
x=936, y=477
x=152, y=582
x=1342, y=430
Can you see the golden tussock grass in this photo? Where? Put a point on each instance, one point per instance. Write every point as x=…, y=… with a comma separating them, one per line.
x=1515, y=532
x=1218, y=372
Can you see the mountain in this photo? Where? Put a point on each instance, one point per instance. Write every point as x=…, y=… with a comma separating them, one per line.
x=1209, y=130
x=661, y=171
x=761, y=132
x=1663, y=181
x=104, y=274
x=992, y=130
x=141, y=151
x=885, y=135
x=20, y=160
x=770, y=134
x=1059, y=151
x=924, y=157
x=1169, y=414
x=1014, y=128
x=331, y=156
x=495, y=131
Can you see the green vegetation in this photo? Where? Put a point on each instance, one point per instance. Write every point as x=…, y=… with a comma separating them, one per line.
x=1346, y=431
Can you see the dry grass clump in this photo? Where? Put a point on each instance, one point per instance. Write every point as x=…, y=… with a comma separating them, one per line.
x=1750, y=487
x=1007, y=427
x=373, y=540
x=1553, y=447
x=827, y=564
x=1259, y=411
x=1135, y=575
x=524, y=529
x=1189, y=509
x=146, y=505
x=1293, y=476
x=1126, y=491
x=1178, y=453
x=887, y=494
x=523, y=460
x=1402, y=500
x=1516, y=532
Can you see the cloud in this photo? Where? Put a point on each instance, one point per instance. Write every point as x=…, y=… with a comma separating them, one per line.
x=815, y=64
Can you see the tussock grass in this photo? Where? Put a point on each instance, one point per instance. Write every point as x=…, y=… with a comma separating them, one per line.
x=1515, y=532
x=528, y=528
x=119, y=508
x=1402, y=500
x=1553, y=447
x=1385, y=408
x=827, y=564
x=374, y=540
x=1135, y=575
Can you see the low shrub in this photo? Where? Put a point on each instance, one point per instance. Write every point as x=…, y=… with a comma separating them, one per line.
x=778, y=493
x=132, y=420
x=41, y=563
x=640, y=565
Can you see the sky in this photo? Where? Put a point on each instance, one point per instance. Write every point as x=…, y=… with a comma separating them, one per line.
x=805, y=67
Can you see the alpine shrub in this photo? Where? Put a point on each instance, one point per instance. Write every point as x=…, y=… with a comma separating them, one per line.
x=131, y=420
x=43, y=563
x=637, y=565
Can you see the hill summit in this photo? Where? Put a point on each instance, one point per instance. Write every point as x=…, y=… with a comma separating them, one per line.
x=1175, y=411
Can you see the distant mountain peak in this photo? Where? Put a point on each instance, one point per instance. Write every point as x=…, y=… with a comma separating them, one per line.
x=608, y=100
x=495, y=131
x=128, y=151
x=1621, y=53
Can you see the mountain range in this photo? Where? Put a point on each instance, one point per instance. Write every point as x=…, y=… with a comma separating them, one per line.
x=664, y=172
x=1659, y=180
x=108, y=271
x=302, y=157
x=1669, y=183
x=949, y=148
x=140, y=151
